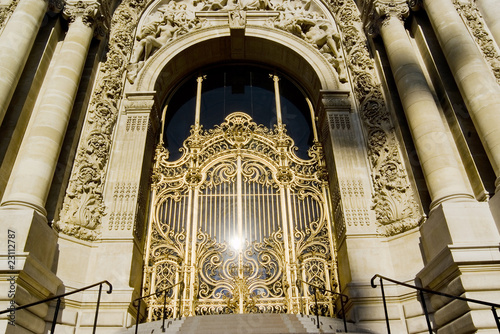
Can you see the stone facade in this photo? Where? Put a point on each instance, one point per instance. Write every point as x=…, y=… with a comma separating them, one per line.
x=404, y=97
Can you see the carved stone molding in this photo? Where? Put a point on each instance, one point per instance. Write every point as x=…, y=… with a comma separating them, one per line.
x=469, y=12
x=83, y=206
x=172, y=20
x=394, y=200
x=87, y=10
x=335, y=101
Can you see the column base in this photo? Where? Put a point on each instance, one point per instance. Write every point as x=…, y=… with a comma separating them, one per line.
x=460, y=242
x=458, y=224
x=26, y=268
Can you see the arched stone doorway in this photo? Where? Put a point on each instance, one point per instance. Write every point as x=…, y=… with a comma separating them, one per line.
x=258, y=286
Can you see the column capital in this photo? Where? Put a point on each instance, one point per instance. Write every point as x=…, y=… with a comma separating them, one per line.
x=86, y=10
x=377, y=13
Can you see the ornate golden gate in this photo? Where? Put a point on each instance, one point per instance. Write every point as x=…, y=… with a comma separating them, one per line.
x=239, y=218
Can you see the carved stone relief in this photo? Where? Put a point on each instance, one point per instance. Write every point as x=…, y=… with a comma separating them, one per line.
x=314, y=28
x=476, y=25
x=173, y=19
x=83, y=206
x=394, y=200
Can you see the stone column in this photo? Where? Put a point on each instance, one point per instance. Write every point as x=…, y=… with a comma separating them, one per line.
x=442, y=174
x=490, y=9
x=16, y=42
x=32, y=175
x=474, y=78
x=459, y=240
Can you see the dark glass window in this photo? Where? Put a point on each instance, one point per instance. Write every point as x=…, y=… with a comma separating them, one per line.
x=232, y=88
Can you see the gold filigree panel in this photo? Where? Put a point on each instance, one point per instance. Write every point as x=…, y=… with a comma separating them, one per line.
x=239, y=218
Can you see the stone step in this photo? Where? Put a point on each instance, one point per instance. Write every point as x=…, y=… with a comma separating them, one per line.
x=247, y=323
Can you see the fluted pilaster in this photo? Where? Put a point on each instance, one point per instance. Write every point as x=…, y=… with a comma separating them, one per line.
x=32, y=175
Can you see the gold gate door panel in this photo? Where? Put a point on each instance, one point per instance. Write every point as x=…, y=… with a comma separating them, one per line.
x=239, y=219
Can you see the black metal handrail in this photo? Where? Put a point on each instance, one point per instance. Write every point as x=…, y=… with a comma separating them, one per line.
x=58, y=304
x=157, y=293
x=342, y=301
x=421, y=291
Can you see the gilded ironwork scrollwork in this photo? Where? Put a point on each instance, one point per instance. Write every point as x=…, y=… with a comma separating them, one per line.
x=239, y=218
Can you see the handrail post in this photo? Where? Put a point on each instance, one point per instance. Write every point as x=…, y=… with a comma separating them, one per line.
x=494, y=310
x=425, y=311
x=343, y=312
x=97, y=308
x=164, y=311
x=385, y=306
x=56, y=312
x=316, y=303
x=137, y=316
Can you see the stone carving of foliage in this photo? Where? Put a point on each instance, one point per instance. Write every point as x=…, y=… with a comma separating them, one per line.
x=83, y=205
x=393, y=198
x=473, y=19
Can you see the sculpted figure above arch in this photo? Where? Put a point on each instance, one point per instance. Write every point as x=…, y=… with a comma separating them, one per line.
x=169, y=20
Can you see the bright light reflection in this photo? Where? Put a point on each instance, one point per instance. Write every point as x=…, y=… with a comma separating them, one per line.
x=236, y=243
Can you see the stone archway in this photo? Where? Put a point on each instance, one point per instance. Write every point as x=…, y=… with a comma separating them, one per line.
x=107, y=192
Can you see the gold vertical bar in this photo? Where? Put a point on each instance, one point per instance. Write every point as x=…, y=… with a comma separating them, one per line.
x=313, y=120
x=163, y=124
x=224, y=206
x=193, y=247
x=173, y=214
x=261, y=221
x=277, y=99
x=268, y=218
x=244, y=202
x=295, y=210
x=274, y=211
x=189, y=291
x=308, y=219
x=210, y=208
x=254, y=208
x=239, y=191
x=199, y=80
x=206, y=209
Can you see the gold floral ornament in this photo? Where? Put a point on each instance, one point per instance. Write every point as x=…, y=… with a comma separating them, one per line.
x=233, y=216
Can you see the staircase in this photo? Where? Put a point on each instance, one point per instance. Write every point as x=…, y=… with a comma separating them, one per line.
x=247, y=323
